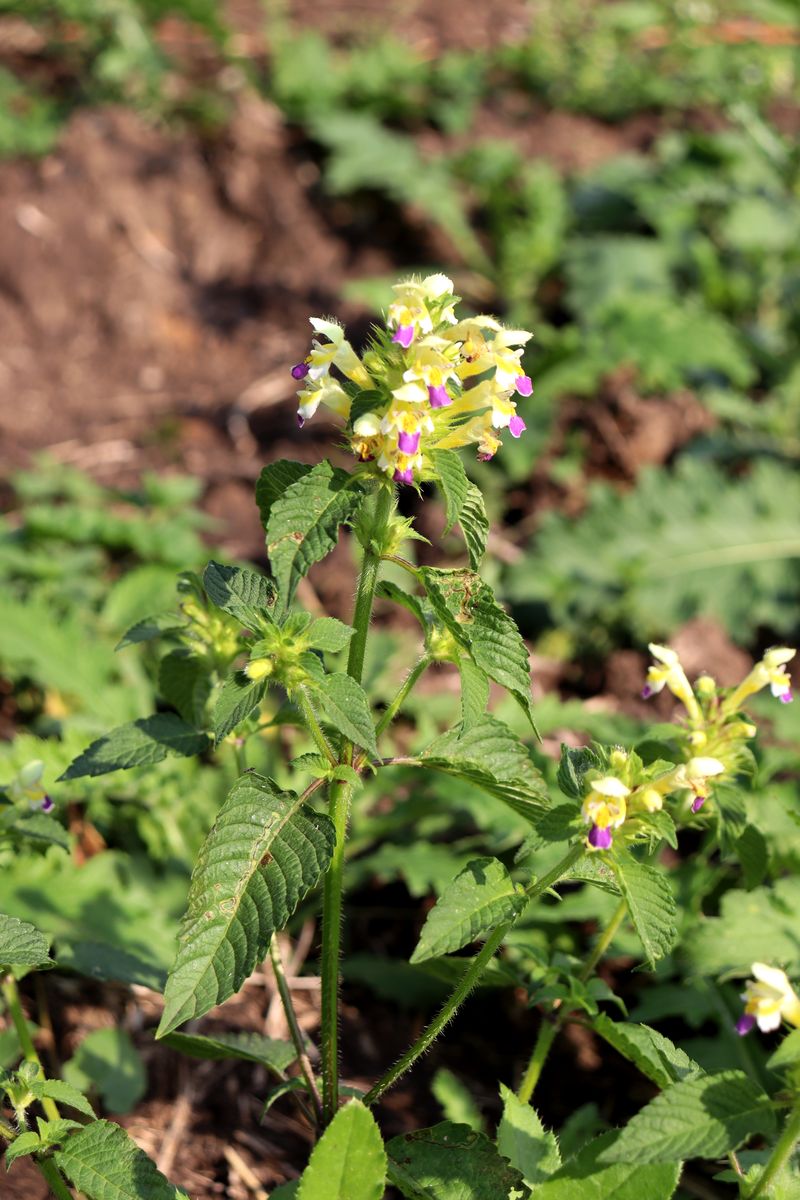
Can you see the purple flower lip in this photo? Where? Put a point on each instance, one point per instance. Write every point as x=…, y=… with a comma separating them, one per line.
x=48, y=804
x=404, y=335
x=438, y=397
x=524, y=385
x=485, y=457
x=403, y=476
x=300, y=420
x=647, y=692
x=698, y=803
x=300, y=370
x=786, y=697
x=408, y=443
x=516, y=426
x=599, y=838
x=745, y=1024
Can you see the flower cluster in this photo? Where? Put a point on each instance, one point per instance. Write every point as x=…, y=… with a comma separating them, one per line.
x=26, y=788
x=712, y=743
x=769, y=999
x=428, y=381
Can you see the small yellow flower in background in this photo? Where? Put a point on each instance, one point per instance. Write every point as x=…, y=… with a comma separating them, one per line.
x=27, y=788
x=769, y=1000
x=259, y=668
x=771, y=671
x=670, y=674
x=604, y=809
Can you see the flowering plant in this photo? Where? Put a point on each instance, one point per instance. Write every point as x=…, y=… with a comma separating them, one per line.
x=241, y=658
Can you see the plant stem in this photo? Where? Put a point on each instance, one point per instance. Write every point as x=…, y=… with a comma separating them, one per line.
x=338, y=810
x=53, y=1178
x=294, y=1027
x=314, y=727
x=14, y=1005
x=781, y=1154
x=468, y=981
x=405, y=688
x=549, y=1030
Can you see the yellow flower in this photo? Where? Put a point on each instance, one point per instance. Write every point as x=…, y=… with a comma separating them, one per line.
x=670, y=674
x=769, y=1000
x=604, y=809
x=259, y=668
x=419, y=306
x=770, y=671
x=27, y=788
x=695, y=775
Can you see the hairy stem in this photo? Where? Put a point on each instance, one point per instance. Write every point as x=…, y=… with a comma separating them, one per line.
x=405, y=689
x=14, y=1005
x=314, y=727
x=294, y=1026
x=781, y=1154
x=53, y=1178
x=549, y=1030
x=468, y=981
x=338, y=810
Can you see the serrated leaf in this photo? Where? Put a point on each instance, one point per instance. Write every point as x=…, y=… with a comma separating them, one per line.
x=390, y=591
x=651, y=906
x=63, y=1093
x=572, y=767
x=492, y=757
x=474, y=525
x=348, y=709
x=23, y=1144
x=756, y=926
x=106, y=1164
x=53, y=1132
x=108, y=1061
x=273, y=482
x=451, y=1162
x=349, y=1161
x=468, y=608
x=138, y=744
x=452, y=478
x=474, y=692
x=524, y=1141
x=151, y=628
x=456, y=1100
x=326, y=633
x=703, y=1116
x=237, y=698
x=98, y=960
x=265, y=851
x=21, y=944
x=753, y=854
x=250, y=598
x=304, y=523
x=183, y=681
x=787, y=1054
x=481, y=897
x=584, y=1177
x=39, y=827
x=654, y=1055
x=272, y=1053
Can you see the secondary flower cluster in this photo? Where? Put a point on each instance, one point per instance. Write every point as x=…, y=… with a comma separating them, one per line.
x=26, y=788
x=769, y=999
x=428, y=381
x=712, y=740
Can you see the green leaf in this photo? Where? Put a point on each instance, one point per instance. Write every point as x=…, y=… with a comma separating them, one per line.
x=452, y=478
x=456, y=1101
x=62, y=1093
x=53, y=1132
x=584, y=1177
x=492, y=757
x=390, y=591
x=474, y=525
x=265, y=851
x=468, y=608
x=753, y=853
x=326, y=633
x=248, y=597
x=573, y=766
x=474, y=692
x=138, y=744
x=480, y=897
x=757, y=926
x=39, y=827
x=347, y=708
x=651, y=905
x=286, y=1191
x=24, y=1143
x=21, y=944
x=524, y=1141
x=787, y=1054
x=106, y=1164
x=101, y=961
x=151, y=628
x=273, y=482
x=304, y=523
x=654, y=1055
x=183, y=681
x=237, y=698
x=703, y=1116
x=450, y=1162
x=271, y=1053
x=107, y=1060
x=349, y=1161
